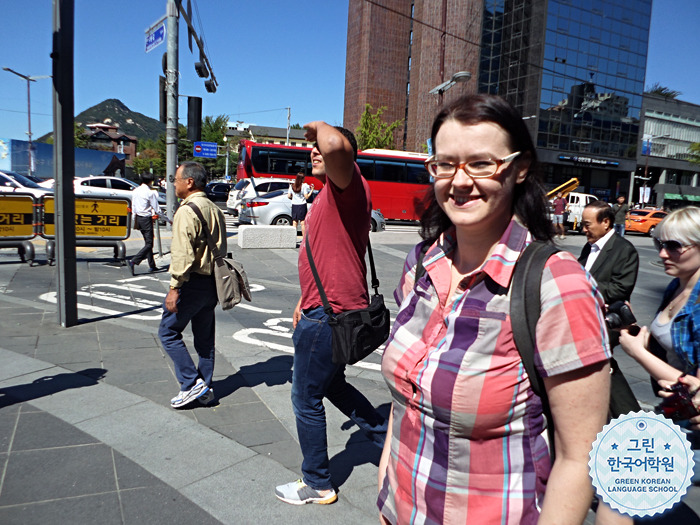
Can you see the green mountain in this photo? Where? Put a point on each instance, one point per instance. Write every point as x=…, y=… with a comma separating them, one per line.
x=114, y=111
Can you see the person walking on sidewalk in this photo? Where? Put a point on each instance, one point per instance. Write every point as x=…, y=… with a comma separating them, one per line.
x=192, y=296
x=144, y=207
x=621, y=209
x=337, y=227
x=560, y=206
x=299, y=192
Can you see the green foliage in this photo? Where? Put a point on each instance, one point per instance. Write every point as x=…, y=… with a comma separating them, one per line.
x=373, y=132
x=662, y=91
x=295, y=126
x=694, y=150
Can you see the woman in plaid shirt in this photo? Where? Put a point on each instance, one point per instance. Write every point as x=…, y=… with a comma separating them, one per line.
x=467, y=439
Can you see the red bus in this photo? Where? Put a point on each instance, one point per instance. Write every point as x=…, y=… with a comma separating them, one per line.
x=398, y=179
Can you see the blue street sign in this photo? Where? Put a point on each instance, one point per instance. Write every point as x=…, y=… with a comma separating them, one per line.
x=205, y=149
x=155, y=36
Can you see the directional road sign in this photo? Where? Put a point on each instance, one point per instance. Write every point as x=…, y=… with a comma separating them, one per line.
x=205, y=149
x=155, y=35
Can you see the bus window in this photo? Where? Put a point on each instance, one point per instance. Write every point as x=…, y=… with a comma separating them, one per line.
x=260, y=158
x=390, y=171
x=416, y=174
x=287, y=162
x=366, y=168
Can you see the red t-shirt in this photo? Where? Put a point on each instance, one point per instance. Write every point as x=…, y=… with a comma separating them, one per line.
x=559, y=206
x=337, y=226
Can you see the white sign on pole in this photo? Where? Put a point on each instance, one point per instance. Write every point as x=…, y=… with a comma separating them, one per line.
x=155, y=35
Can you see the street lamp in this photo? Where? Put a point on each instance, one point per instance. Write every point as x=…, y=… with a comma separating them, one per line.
x=29, y=110
x=648, y=139
x=460, y=76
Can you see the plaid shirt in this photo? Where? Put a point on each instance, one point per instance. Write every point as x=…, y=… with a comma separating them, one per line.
x=685, y=330
x=468, y=442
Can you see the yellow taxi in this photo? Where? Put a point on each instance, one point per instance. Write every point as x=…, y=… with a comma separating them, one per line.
x=644, y=220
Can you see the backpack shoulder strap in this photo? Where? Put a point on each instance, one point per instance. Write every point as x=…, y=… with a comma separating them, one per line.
x=420, y=269
x=525, y=309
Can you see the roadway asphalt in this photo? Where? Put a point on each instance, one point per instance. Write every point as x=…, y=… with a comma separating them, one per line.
x=86, y=431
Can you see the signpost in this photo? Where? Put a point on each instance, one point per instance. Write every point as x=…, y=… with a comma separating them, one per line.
x=155, y=35
x=207, y=150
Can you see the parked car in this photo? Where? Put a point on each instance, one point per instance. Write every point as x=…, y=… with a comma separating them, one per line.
x=275, y=208
x=644, y=220
x=218, y=191
x=11, y=182
x=244, y=189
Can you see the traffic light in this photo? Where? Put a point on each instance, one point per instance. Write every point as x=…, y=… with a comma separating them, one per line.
x=201, y=69
x=210, y=86
x=162, y=100
x=194, y=119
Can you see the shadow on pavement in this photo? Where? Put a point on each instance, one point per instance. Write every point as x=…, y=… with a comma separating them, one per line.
x=358, y=451
x=48, y=385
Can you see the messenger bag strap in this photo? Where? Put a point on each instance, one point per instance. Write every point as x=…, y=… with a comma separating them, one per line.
x=213, y=248
x=326, y=305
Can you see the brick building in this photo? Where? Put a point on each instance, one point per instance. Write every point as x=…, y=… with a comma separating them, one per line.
x=575, y=69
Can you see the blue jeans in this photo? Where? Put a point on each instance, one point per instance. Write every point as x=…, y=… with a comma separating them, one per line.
x=314, y=377
x=196, y=303
x=619, y=229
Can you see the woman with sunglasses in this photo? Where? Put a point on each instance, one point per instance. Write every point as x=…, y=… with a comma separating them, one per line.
x=670, y=347
x=467, y=436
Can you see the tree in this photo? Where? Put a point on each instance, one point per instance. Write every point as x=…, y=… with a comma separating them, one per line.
x=662, y=91
x=373, y=132
x=694, y=150
x=295, y=126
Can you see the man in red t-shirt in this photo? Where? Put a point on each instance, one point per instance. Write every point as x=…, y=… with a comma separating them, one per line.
x=560, y=206
x=337, y=227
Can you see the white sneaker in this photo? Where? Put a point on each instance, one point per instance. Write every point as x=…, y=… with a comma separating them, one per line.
x=185, y=397
x=298, y=493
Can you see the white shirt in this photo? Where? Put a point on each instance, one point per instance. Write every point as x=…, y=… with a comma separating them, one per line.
x=144, y=202
x=299, y=198
x=596, y=247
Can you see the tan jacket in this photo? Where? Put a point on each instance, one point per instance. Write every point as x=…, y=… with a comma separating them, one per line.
x=189, y=251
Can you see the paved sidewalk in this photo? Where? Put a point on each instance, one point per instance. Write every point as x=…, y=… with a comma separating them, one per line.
x=87, y=434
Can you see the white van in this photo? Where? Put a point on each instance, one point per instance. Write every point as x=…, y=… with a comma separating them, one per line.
x=576, y=203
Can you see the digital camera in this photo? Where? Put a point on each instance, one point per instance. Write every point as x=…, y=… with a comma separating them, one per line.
x=680, y=405
x=620, y=317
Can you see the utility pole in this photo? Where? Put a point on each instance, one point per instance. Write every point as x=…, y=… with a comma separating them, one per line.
x=289, y=116
x=171, y=83
x=64, y=162
x=29, y=79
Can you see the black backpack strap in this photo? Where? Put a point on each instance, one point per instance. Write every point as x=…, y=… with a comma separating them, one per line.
x=525, y=309
x=420, y=269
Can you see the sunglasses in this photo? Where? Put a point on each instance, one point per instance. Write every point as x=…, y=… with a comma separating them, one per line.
x=670, y=246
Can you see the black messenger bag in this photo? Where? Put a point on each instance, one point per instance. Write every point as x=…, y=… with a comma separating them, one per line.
x=356, y=333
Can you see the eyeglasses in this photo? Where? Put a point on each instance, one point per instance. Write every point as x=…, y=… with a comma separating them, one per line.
x=670, y=246
x=477, y=169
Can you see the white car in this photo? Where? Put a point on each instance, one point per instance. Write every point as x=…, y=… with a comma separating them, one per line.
x=245, y=190
x=11, y=182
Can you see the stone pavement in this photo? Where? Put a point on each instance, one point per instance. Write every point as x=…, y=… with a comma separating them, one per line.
x=87, y=434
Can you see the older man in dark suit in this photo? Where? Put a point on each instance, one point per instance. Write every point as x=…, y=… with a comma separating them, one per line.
x=613, y=261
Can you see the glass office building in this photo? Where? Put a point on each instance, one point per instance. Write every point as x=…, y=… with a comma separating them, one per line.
x=576, y=70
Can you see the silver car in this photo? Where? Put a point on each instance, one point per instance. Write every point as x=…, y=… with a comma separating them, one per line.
x=244, y=189
x=275, y=209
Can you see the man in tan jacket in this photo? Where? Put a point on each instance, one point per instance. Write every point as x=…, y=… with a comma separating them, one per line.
x=192, y=295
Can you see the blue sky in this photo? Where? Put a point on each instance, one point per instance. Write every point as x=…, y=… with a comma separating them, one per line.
x=266, y=56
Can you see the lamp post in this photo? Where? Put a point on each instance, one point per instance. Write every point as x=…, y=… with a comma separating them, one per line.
x=648, y=139
x=29, y=110
x=460, y=76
